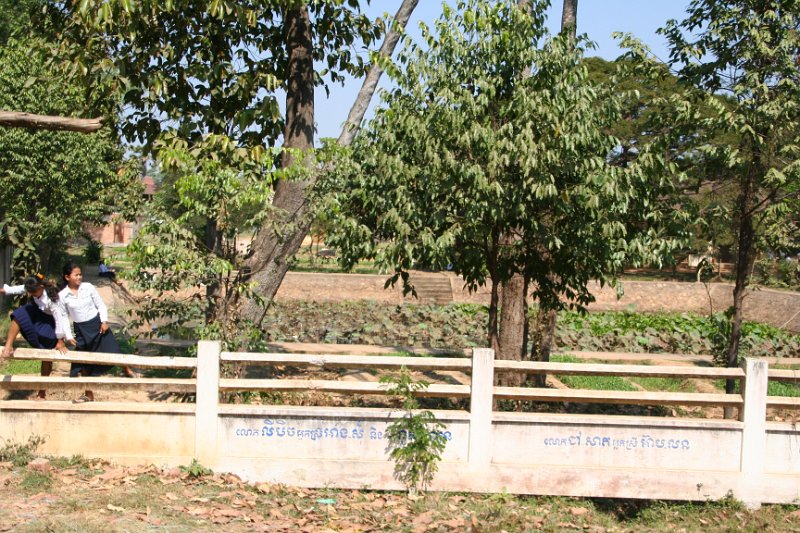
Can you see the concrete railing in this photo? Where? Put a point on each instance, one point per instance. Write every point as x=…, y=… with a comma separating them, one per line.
x=487, y=450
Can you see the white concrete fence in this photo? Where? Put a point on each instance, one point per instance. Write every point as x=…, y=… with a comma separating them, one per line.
x=677, y=458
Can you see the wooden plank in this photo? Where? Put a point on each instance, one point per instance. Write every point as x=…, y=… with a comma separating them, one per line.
x=27, y=382
x=591, y=369
x=363, y=362
x=116, y=359
x=434, y=390
x=616, y=397
x=783, y=402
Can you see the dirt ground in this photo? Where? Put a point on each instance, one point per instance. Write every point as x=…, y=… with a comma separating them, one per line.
x=78, y=495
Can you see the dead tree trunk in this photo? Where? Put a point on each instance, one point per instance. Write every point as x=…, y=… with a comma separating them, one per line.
x=30, y=121
x=359, y=109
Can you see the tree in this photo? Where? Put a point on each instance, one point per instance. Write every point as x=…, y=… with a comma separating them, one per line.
x=747, y=50
x=222, y=77
x=569, y=17
x=705, y=192
x=490, y=123
x=204, y=101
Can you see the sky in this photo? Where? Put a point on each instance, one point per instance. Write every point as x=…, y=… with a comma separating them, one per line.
x=597, y=18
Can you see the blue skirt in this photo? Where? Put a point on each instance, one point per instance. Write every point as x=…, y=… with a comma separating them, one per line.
x=89, y=339
x=36, y=326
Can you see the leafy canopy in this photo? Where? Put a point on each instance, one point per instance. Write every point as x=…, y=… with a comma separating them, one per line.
x=214, y=66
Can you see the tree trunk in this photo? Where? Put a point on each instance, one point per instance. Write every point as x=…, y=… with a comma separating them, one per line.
x=546, y=319
x=213, y=292
x=45, y=122
x=494, y=302
x=276, y=243
x=744, y=264
x=511, y=341
x=542, y=341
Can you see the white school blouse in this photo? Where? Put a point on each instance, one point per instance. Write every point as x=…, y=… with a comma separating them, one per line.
x=85, y=305
x=47, y=306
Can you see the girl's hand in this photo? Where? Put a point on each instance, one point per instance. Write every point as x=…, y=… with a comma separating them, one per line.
x=72, y=342
x=103, y=327
x=6, y=353
x=61, y=347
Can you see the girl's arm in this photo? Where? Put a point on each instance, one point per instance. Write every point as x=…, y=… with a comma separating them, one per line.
x=63, y=328
x=99, y=304
x=12, y=290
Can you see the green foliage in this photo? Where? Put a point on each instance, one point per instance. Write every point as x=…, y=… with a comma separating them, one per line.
x=491, y=155
x=199, y=85
x=196, y=470
x=615, y=383
x=780, y=388
x=780, y=273
x=720, y=335
x=20, y=366
x=15, y=17
x=93, y=252
x=460, y=326
x=207, y=67
x=218, y=184
x=416, y=441
x=34, y=481
x=20, y=454
x=53, y=182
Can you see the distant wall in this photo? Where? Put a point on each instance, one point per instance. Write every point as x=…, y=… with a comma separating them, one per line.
x=778, y=308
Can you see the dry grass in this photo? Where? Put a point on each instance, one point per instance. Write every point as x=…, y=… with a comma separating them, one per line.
x=93, y=496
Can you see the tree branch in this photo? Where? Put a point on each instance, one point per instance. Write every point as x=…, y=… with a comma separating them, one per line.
x=30, y=121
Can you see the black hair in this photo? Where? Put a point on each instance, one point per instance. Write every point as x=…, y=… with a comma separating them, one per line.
x=69, y=266
x=34, y=282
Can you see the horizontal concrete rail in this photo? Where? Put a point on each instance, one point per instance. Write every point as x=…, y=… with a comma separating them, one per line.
x=617, y=397
x=434, y=390
x=589, y=369
x=776, y=374
x=106, y=358
x=26, y=382
x=360, y=362
x=783, y=402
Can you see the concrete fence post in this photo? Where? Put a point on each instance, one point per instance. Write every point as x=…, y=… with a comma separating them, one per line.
x=754, y=434
x=481, y=396
x=207, y=402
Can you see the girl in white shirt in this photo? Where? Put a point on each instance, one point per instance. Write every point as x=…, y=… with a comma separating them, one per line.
x=42, y=321
x=89, y=316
